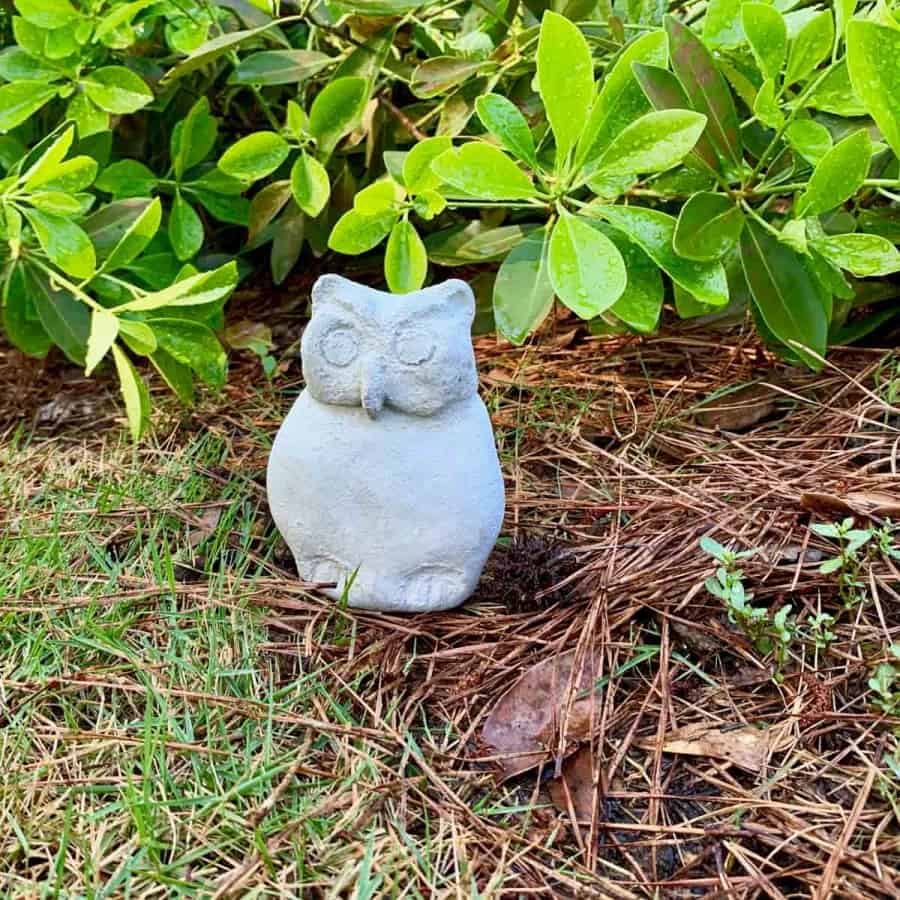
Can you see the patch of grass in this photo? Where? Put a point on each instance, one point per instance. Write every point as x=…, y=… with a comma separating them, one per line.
x=179, y=717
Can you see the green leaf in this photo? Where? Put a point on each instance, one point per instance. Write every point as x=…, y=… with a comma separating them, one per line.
x=367, y=60
x=474, y=241
x=134, y=393
x=621, y=99
x=355, y=233
x=55, y=203
x=104, y=329
x=65, y=319
x=565, y=73
x=641, y=302
x=310, y=185
x=138, y=336
x=810, y=47
x=653, y=231
x=502, y=119
x=862, y=255
x=290, y=230
x=40, y=172
x=20, y=101
x=707, y=89
x=429, y=204
x=119, y=16
x=127, y=178
x=196, y=290
x=417, y=173
x=872, y=54
x=722, y=24
x=193, y=344
x=481, y=170
x=47, y=13
x=88, y=117
x=405, y=262
x=766, y=107
x=838, y=176
x=255, y=156
x=336, y=111
x=71, y=176
x=64, y=243
x=194, y=138
x=215, y=181
x=117, y=90
x=586, y=269
x=20, y=318
x=269, y=67
x=809, y=139
x=441, y=73
x=212, y=50
x=224, y=208
x=17, y=64
x=523, y=292
x=784, y=292
x=835, y=94
x=708, y=226
x=108, y=225
x=176, y=375
x=265, y=205
x=378, y=197
x=655, y=142
x=185, y=228
x=767, y=35
x=664, y=91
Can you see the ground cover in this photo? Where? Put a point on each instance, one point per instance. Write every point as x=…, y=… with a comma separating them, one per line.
x=181, y=718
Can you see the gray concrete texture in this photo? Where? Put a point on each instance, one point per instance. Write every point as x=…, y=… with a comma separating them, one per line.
x=384, y=475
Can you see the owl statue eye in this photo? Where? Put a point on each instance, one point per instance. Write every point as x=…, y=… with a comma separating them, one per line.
x=414, y=346
x=340, y=346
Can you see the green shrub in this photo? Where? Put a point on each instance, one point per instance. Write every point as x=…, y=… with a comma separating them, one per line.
x=610, y=157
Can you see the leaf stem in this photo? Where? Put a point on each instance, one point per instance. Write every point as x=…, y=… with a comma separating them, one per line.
x=68, y=285
x=808, y=91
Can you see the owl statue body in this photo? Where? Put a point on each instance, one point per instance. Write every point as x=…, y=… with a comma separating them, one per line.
x=384, y=477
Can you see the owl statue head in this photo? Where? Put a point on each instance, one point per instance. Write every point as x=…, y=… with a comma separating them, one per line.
x=409, y=352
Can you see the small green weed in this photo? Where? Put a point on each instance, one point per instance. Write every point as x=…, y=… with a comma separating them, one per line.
x=885, y=684
x=850, y=560
x=768, y=634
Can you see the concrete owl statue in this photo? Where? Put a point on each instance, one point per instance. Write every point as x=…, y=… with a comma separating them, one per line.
x=384, y=473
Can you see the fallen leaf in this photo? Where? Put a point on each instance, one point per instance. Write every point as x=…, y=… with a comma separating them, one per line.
x=854, y=503
x=247, y=335
x=746, y=747
x=523, y=726
x=203, y=526
x=564, y=338
x=740, y=409
x=65, y=409
x=578, y=777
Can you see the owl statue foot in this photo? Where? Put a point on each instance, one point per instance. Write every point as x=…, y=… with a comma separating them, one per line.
x=384, y=479
x=427, y=589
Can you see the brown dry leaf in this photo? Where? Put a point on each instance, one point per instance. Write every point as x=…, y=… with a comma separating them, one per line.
x=746, y=747
x=564, y=338
x=739, y=410
x=853, y=503
x=247, y=335
x=203, y=526
x=522, y=727
x=66, y=409
x=578, y=777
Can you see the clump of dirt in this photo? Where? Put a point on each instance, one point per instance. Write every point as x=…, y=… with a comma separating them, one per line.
x=527, y=574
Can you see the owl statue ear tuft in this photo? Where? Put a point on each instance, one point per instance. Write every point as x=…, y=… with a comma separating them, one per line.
x=327, y=287
x=459, y=296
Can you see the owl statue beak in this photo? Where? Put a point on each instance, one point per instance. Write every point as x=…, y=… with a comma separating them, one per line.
x=372, y=393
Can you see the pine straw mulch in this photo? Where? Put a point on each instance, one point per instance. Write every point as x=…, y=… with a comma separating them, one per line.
x=613, y=473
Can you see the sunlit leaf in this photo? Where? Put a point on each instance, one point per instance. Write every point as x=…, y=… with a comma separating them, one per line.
x=586, y=269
